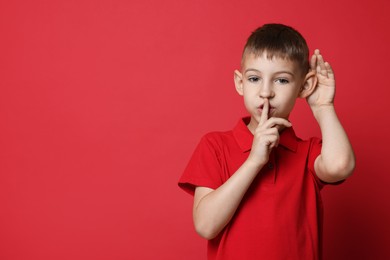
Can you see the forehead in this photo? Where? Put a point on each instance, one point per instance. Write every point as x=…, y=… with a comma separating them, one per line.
x=269, y=63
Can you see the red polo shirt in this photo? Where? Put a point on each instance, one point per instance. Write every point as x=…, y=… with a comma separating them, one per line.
x=280, y=217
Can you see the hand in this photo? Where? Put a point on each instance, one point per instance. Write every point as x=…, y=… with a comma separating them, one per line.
x=266, y=135
x=325, y=90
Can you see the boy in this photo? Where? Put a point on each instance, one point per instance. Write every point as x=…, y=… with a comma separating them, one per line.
x=257, y=188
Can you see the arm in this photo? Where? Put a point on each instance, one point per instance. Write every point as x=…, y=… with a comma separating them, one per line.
x=336, y=161
x=213, y=209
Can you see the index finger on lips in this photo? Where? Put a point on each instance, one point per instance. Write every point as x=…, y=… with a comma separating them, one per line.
x=264, y=112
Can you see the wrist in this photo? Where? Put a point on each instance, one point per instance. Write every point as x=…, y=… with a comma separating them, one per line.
x=254, y=164
x=320, y=111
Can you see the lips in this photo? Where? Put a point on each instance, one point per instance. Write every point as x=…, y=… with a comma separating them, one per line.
x=270, y=109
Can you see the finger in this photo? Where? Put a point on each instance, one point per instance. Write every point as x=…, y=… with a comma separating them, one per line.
x=273, y=141
x=264, y=112
x=276, y=142
x=329, y=70
x=313, y=62
x=321, y=66
x=277, y=122
x=271, y=137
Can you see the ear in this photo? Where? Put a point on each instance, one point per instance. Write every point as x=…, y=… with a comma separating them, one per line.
x=309, y=84
x=238, y=82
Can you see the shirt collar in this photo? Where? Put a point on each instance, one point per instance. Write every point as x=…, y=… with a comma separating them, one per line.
x=244, y=137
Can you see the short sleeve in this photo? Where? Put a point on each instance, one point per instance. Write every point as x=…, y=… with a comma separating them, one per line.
x=314, y=152
x=204, y=168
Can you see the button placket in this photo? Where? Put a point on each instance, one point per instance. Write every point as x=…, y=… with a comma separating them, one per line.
x=272, y=167
x=267, y=175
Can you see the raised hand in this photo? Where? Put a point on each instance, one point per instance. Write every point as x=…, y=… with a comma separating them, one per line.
x=266, y=135
x=325, y=90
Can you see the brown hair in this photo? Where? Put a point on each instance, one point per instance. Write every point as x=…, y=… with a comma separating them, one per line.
x=281, y=41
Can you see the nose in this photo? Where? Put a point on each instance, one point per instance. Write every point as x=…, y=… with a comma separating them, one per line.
x=266, y=90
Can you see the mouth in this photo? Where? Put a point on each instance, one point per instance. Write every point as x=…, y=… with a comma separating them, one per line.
x=271, y=110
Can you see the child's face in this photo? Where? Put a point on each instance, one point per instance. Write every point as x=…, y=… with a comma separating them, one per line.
x=278, y=80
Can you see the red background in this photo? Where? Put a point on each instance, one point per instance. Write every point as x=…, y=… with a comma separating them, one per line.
x=103, y=102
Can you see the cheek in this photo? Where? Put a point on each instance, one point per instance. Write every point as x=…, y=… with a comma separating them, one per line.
x=289, y=104
x=288, y=100
x=247, y=101
x=247, y=94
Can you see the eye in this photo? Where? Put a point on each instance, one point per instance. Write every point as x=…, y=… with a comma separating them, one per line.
x=283, y=81
x=253, y=79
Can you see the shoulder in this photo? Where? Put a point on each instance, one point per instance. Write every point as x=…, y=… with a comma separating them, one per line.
x=292, y=142
x=312, y=147
x=217, y=138
x=315, y=144
x=218, y=135
x=240, y=129
x=311, y=142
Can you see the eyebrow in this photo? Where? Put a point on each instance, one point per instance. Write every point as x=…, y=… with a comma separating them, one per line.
x=278, y=72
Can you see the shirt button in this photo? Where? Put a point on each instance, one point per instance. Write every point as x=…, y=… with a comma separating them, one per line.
x=270, y=166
